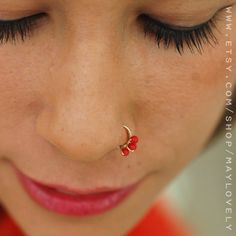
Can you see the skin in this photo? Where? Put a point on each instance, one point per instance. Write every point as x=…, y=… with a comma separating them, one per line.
x=66, y=91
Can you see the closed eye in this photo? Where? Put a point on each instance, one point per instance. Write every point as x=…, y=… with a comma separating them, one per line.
x=179, y=37
x=10, y=30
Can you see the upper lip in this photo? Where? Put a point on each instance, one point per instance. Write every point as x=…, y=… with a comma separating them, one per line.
x=65, y=188
x=99, y=189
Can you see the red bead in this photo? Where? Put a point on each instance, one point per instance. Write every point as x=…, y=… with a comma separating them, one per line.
x=124, y=151
x=132, y=146
x=134, y=139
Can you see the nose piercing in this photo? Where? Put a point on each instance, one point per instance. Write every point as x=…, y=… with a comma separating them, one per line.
x=131, y=143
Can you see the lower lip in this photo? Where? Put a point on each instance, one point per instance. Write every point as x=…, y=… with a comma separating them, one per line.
x=77, y=205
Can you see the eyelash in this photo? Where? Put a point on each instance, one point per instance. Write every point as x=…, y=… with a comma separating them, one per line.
x=10, y=30
x=193, y=37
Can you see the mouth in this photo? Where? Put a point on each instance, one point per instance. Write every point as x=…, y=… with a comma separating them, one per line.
x=77, y=202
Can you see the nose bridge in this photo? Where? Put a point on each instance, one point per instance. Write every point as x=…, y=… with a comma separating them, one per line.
x=84, y=120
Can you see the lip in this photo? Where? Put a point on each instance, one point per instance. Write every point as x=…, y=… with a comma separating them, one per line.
x=75, y=202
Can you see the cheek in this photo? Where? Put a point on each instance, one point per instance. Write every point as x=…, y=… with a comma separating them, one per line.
x=21, y=80
x=16, y=85
x=180, y=100
x=23, y=72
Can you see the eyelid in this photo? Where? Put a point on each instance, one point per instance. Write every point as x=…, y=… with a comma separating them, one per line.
x=175, y=27
x=32, y=17
x=192, y=37
x=11, y=30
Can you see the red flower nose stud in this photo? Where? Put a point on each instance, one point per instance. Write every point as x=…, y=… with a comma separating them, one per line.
x=131, y=143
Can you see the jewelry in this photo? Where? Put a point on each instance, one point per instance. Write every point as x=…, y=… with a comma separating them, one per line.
x=130, y=145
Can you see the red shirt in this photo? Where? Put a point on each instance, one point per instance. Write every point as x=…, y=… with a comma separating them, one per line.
x=158, y=221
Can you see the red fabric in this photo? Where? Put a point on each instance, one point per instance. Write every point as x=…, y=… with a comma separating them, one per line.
x=161, y=221
x=157, y=222
x=7, y=226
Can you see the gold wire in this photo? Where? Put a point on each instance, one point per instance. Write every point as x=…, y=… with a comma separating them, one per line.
x=129, y=136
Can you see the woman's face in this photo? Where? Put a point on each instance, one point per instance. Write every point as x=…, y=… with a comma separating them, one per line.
x=87, y=69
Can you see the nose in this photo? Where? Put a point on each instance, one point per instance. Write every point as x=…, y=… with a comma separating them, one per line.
x=85, y=101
